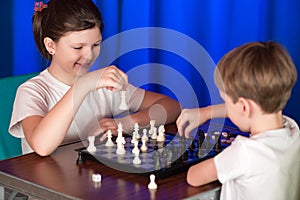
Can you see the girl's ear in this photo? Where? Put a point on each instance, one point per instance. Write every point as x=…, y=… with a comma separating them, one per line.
x=50, y=45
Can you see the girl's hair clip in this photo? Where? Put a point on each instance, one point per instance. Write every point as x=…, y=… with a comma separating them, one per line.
x=39, y=6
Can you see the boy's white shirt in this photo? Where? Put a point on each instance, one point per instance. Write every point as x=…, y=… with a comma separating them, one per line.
x=265, y=166
x=39, y=94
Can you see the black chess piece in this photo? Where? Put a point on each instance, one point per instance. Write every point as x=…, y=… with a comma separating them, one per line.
x=156, y=158
x=170, y=158
x=182, y=144
x=201, y=137
x=172, y=146
x=80, y=159
x=185, y=156
x=218, y=146
x=191, y=143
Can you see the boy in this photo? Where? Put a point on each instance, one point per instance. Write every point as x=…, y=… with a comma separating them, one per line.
x=255, y=81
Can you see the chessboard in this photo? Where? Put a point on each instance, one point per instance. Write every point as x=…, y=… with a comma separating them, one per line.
x=163, y=158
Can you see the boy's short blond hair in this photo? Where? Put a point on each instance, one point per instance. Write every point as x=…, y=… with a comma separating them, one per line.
x=261, y=71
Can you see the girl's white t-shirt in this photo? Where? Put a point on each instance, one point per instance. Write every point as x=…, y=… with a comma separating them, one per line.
x=38, y=95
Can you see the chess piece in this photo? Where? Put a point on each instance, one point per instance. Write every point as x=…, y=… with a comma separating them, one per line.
x=152, y=125
x=161, y=133
x=185, y=156
x=152, y=185
x=144, y=147
x=80, y=159
x=156, y=159
x=91, y=147
x=217, y=147
x=123, y=104
x=120, y=147
x=145, y=137
x=170, y=158
x=137, y=160
x=201, y=138
x=136, y=131
x=120, y=128
x=109, y=142
x=120, y=141
x=135, y=148
x=154, y=134
x=133, y=138
x=120, y=133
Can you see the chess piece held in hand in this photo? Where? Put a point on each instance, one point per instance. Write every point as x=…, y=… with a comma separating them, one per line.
x=123, y=104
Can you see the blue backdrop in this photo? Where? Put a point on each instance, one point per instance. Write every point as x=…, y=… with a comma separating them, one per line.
x=217, y=26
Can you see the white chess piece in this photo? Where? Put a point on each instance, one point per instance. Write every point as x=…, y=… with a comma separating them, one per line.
x=135, y=148
x=120, y=127
x=154, y=134
x=120, y=132
x=133, y=138
x=152, y=185
x=91, y=147
x=120, y=146
x=136, y=131
x=144, y=145
x=123, y=104
x=109, y=142
x=137, y=160
x=145, y=137
x=152, y=125
x=161, y=133
x=120, y=141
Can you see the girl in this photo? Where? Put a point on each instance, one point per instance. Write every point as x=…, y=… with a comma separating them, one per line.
x=66, y=101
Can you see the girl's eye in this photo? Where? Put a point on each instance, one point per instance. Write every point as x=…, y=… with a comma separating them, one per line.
x=77, y=48
x=95, y=45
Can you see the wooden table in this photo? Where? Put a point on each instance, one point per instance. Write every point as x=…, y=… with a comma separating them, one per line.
x=59, y=177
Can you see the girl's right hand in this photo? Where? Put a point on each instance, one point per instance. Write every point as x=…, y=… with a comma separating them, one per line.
x=110, y=77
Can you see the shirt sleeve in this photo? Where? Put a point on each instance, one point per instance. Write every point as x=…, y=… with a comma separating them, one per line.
x=136, y=97
x=233, y=161
x=29, y=101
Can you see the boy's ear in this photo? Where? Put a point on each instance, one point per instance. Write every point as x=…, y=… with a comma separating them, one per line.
x=50, y=45
x=245, y=106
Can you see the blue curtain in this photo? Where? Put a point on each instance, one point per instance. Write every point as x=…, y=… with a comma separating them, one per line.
x=159, y=42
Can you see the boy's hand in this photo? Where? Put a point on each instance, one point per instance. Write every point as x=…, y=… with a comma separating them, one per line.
x=188, y=120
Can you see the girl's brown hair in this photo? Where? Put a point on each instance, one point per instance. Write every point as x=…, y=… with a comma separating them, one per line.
x=62, y=16
x=261, y=71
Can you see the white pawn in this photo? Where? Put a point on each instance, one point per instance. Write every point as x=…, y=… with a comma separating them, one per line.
x=137, y=160
x=91, y=147
x=152, y=185
x=152, y=124
x=154, y=134
x=109, y=142
x=123, y=104
x=145, y=137
x=135, y=148
x=161, y=133
x=144, y=145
